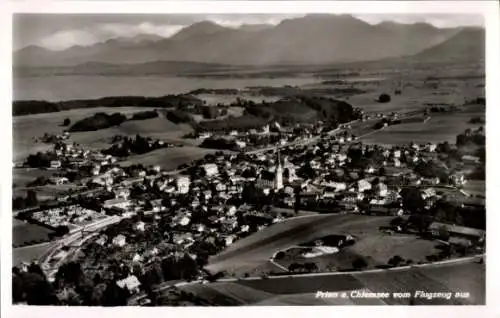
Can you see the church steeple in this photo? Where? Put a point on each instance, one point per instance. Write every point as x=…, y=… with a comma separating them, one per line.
x=279, y=172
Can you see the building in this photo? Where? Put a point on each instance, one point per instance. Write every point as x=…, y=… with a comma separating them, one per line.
x=279, y=174
x=55, y=164
x=182, y=184
x=364, y=185
x=119, y=203
x=119, y=240
x=210, y=169
x=471, y=159
x=131, y=283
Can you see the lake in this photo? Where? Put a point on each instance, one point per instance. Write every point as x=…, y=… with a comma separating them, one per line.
x=56, y=88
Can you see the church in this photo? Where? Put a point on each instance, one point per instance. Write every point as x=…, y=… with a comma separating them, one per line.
x=272, y=180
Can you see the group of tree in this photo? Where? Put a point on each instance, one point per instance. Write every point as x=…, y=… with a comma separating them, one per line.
x=21, y=203
x=384, y=98
x=218, y=143
x=144, y=115
x=240, y=123
x=477, y=120
x=26, y=107
x=431, y=169
x=178, y=116
x=134, y=145
x=98, y=121
x=477, y=137
x=32, y=287
x=41, y=159
x=308, y=267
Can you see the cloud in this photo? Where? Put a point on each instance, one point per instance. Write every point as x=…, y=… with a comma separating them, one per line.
x=64, y=39
x=58, y=32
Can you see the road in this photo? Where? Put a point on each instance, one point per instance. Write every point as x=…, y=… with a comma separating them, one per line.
x=430, y=277
x=73, y=239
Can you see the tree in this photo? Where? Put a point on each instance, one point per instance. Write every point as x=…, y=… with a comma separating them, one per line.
x=412, y=200
x=31, y=199
x=209, y=112
x=395, y=260
x=384, y=98
x=294, y=266
x=310, y=267
x=280, y=255
x=397, y=221
x=359, y=263
x=306, y=171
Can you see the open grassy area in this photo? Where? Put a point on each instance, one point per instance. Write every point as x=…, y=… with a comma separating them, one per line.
x=475, y=187
x=28, y=253
x=256, y=249
x=168, y=158
x=45, y=193
x=440, y=128
x=26, y=128
x=24, y=233
x=22, y=176
x=301, y=290
x=381, y=247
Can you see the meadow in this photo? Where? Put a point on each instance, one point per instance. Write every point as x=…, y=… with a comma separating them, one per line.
x=27, y=234
x=27, y=128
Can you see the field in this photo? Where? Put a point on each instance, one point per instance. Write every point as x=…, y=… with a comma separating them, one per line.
x=466, y=276
x=24, y=233
x=381, y=247
x=375, y=248
x=168, y=158
x=22, y=176
x=440, y=128
x=45, y=193
x=475, y=187
x=253, y=251
x=28, y=253
x=26, y=128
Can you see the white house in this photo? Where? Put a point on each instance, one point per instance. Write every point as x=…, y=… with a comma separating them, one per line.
x=182, y=184
x=381, y=189
x=364, y=185
x=140, y=226
x=119, y=203
x=131, y=283
x=55, y=164
x=119, y=240
x=210, y=169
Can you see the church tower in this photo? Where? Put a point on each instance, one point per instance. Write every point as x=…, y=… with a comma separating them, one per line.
x=278, y=182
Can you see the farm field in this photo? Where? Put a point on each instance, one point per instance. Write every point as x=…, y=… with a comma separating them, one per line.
x=168, y=158
x=28, y=253
x=375, y=249
x=256, y=249
x=45, y=193
x=22, y=176
x=26, y=128
x=301, y=289
x=438, y=129
x=475, y=187
x=381, y=247
x=26, y=233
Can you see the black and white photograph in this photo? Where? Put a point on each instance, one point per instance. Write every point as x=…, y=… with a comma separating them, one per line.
x=248, y=159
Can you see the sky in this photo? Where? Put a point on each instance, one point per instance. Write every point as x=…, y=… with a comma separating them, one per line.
x=60, y=31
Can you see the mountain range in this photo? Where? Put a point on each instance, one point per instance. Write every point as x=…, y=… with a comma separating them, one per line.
x=310, y=40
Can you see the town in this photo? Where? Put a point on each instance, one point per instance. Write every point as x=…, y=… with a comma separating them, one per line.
x=132, y=222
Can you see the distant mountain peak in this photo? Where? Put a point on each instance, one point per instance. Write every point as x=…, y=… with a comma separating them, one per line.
x=199, y=28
